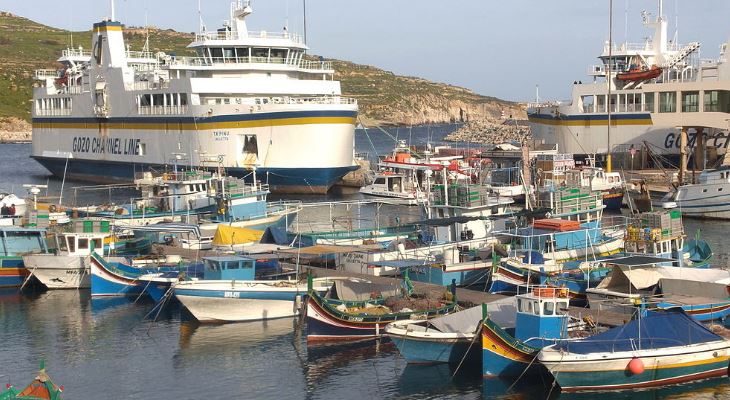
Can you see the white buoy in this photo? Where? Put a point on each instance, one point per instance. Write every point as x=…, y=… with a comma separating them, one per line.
x=668, y=205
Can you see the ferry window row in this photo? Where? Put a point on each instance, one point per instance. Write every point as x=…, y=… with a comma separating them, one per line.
x=662, y=102
x=53, y=106
x=237, y=55
x=162, y=103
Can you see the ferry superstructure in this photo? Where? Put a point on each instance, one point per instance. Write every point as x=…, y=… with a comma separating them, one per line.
x=248, y=100
x=657, y=88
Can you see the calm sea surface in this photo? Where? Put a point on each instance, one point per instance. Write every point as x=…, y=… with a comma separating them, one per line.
x=106, y=349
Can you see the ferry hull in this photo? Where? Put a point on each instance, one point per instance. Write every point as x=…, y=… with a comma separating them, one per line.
x=281, y=180
x=585, y=134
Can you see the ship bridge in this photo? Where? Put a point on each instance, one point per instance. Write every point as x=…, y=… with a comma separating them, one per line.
x=233, y=47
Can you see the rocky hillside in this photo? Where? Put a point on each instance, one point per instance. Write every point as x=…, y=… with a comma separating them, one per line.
x=384, y=98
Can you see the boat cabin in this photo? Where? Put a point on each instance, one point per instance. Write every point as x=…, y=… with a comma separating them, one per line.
x=542, y=314
x=16, y=241
x=593, y=178
x=229, y=268
x=80, y=244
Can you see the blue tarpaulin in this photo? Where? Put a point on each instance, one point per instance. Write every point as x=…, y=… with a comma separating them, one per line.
x=658, y=330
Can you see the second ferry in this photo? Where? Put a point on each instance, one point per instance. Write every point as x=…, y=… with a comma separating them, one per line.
x=657, y=88
x=248, y=102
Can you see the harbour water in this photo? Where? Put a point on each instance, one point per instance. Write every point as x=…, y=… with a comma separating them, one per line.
x=106, y=348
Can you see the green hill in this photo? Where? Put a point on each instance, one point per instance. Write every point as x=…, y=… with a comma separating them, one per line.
x=384, y=98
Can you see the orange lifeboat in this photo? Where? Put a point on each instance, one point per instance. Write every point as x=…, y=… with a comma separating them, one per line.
x=640, y=74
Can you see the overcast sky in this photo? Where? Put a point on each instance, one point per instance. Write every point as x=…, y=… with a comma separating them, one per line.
x=497, y=48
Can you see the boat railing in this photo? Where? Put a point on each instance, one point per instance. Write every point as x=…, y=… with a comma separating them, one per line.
x=244, y=190
x=231, y=35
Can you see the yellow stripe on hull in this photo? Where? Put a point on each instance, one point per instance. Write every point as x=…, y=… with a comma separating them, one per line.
x=199, y=126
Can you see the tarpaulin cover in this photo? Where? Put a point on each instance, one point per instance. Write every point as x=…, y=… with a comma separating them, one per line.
x=348, y=290
x=658, y=330
x=625, y=278
x=275, y=235
x=500, y=311
x=229, y=235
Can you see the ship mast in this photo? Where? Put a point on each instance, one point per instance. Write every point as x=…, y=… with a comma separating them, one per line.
x=609, y=77
x=112, y=10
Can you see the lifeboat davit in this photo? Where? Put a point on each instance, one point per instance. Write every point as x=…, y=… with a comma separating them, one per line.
x=640, y=74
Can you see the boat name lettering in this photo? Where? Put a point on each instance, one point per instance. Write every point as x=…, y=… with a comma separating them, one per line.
x=73, y=272
x=220, y=136
x=121, y=146
x=231, y=295
x=356, y=319
x=719, y=140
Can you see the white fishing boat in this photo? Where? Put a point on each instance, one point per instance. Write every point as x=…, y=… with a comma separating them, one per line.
x=69, y=267
x=708, y=198
x=231, y=293
x=245, y=100
x=657, y=89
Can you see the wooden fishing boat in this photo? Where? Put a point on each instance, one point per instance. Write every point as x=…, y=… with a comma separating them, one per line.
x=659, y=349
x=338, y=319
x=42, y=388
x=509, y=346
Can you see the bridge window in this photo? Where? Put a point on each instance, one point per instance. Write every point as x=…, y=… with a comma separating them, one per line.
x=588, y=103
x=649, y=102
x=667, y=102
x=601, y=103
x=717, y=101
x=690, y=101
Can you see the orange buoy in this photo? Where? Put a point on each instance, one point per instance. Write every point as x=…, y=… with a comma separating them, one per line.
x=636, y=366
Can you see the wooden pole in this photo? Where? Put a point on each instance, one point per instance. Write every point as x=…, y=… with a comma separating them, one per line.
x=682, y=155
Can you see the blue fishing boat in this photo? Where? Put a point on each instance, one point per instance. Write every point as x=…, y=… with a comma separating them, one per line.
x=661, y=348
x=509, y=347
x=451, y=338
x=550, y=246
x=115, y=277
x=235, y=295
x=467, y=273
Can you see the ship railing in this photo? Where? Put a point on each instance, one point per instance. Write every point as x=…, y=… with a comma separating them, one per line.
x=230, y=35
x=140, y=54
x=53, y=112
x=150, y=85
x=544, y=104
x=645, y=46
x=73, y=53
x=162, y=110
x=306, y=100
x=250, y=61
x=43, y=74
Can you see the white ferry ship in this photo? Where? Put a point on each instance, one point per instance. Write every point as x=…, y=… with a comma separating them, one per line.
x=248, y=100
x=657, y=88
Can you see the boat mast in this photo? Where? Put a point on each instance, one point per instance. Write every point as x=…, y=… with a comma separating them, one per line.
x=609, y=77
x=112, y=10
